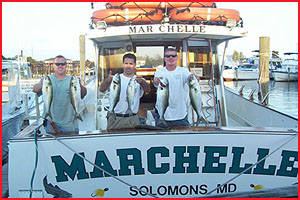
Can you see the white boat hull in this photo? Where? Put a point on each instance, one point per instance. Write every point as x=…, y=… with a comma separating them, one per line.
x=178, y=163
x=230, y=74
x=285, y=76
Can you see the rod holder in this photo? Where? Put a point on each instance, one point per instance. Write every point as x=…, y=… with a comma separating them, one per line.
x=264, y=101
x=251, y=97
x=241, y=90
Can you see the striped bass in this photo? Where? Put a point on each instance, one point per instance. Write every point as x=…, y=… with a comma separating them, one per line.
x=75, y=96
x=47, y=91
x=162, y=99
x=130, y=93
x=115, y=89
x=196, y=98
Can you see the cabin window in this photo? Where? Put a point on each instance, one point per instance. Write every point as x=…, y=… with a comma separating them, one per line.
x=200, y=61
x=150, y=56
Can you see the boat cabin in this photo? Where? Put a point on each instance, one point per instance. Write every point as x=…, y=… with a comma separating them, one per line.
x=197, y=49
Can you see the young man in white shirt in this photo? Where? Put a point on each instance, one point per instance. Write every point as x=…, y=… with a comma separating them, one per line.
x=178, y=77
x=120, y=117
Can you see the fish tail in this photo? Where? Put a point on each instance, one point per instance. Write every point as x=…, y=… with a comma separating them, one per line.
x=162, y=123
x=77, y=116
x=47, y=114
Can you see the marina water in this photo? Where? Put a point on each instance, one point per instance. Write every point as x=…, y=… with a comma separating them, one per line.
x=283, y=95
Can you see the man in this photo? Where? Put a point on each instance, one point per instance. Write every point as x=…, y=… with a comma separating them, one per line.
x=61, y=109
x=121, y=117
x=176, y=113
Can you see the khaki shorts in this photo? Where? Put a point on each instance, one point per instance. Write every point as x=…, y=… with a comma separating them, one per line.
x=115, y=122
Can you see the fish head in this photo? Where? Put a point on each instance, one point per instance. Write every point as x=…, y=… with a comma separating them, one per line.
x=47, y=81
x=73, y=80
x=132, y=81
x=164, y=82
x=116, y=78
x=192, y=81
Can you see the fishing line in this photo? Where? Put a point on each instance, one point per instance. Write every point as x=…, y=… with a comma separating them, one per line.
x=253, y=165
x=113, y=176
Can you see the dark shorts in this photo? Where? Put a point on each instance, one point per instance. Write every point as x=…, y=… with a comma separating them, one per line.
x=180, y=122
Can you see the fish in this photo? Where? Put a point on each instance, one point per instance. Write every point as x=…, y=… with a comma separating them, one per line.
x=130, y=93
x=115, y=89
x=162, y=99
x=55, y=190
x=47, y=91
x=196, y=98
x=75, y=95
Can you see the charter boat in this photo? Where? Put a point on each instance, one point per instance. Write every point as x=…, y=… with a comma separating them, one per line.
x=225, y=155
x=288, y=71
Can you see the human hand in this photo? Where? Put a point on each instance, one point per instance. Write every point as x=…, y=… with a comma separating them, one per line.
x=191, y=76
x=139, y=79
x=157, y=80
x=109, y=77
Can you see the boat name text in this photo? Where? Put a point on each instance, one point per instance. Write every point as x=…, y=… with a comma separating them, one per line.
x=183, y=160
x=168, y=29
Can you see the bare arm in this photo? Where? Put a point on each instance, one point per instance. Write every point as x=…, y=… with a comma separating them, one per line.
x=143, y=83
x=106, y=83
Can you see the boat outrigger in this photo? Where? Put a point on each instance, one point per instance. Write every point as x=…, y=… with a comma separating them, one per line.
x=230, y=154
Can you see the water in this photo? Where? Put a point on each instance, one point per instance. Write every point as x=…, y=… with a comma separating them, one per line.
x=283, y=95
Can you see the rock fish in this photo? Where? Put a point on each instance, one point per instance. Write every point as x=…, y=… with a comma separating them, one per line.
x=196, y=98
x=56, y=191
x=130, y=93
x=47, y=91
x=162, y=99
x=115, y=89
x=75, y=96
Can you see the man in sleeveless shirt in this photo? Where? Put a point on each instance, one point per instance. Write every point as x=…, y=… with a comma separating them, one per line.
x=61, y=109
x=121, y=117
x=176, y=113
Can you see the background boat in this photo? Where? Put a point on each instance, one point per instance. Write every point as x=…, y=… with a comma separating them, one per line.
x=19, y=100
x=288, y=71
x=242, y=72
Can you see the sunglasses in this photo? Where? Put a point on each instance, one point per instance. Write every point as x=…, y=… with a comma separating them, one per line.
x=60, y=64
x=168, y=56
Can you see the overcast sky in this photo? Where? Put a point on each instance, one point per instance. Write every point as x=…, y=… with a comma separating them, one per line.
x=44, y=30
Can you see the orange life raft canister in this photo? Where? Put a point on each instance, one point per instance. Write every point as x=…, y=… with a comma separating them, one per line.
x=190, y=4
x=204, y=14
x=127, y=15
x=133, y=5
x=159, y=4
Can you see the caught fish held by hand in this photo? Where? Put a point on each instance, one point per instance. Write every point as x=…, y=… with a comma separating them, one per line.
x=130, y=93
x=75, y=96
x=115, y=89
x=47, y=91
x=162, y=99
x=196, y=98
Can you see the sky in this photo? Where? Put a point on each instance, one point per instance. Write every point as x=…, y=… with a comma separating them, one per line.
x=44, y=29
